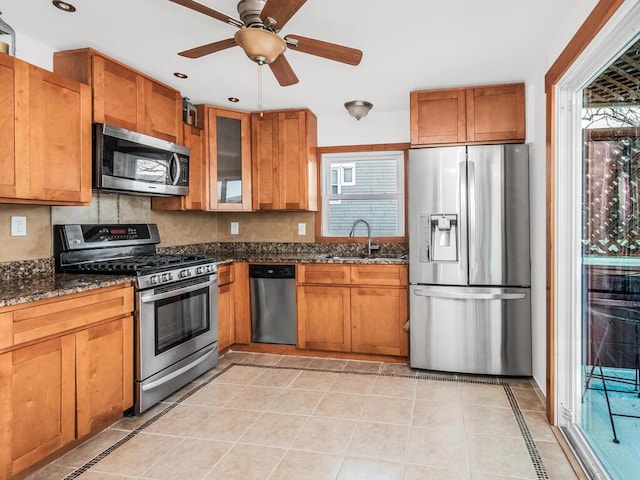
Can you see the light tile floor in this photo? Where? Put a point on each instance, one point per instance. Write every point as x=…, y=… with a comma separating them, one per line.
x=312, y=418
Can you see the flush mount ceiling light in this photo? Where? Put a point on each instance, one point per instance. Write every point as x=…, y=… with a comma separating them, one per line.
x=358, y=108
x=260, y=45
x=64, y=6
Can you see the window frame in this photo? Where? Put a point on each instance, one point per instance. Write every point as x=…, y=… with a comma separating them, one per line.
x=404, y=147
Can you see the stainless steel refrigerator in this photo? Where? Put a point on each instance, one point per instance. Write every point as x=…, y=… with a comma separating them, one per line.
x=469, y=261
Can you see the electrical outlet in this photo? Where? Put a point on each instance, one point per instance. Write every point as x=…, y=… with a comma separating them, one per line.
x=18, y=226
x=235, y=228
x=302, y=229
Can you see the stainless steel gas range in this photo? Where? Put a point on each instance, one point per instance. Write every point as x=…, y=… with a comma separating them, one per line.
x=176, y=322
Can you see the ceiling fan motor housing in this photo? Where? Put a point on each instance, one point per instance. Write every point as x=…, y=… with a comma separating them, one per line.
x=249, y=11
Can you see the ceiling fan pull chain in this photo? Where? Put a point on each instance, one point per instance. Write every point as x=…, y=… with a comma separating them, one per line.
x=260, y=89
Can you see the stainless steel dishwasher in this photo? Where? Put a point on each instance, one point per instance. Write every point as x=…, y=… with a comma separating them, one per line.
x=273, y=303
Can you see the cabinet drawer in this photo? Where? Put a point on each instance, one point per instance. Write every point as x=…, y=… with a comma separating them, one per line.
x=388, y=275
x=225, y=275
x=51, y=317
x=325, y=274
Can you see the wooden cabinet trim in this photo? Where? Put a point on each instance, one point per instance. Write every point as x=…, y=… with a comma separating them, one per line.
x=384, y=275
x=225, y=275
x=41, y=319
x=329, y=274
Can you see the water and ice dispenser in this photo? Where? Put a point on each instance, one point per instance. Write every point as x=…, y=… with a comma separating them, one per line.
x=439, y=242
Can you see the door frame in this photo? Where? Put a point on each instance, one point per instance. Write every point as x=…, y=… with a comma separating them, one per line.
x=595, y=22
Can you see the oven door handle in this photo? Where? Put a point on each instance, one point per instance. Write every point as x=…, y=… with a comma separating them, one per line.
x=177, y=373
x=175, y=293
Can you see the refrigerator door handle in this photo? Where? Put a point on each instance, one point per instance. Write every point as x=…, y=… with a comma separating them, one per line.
x=469, y=296
x=472, y=214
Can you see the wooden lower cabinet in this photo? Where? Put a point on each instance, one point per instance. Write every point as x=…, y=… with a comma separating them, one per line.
x=234, y=316
x=104, y=379
x=66, y=372
x=37, y=390
x=241, y=303
x=353, y=308
x=226, y=323
x=324, y=318
x=376, y=320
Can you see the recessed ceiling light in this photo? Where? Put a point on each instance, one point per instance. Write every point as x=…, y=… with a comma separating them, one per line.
x=233, y=99
x=180, y=75
x=64, y=6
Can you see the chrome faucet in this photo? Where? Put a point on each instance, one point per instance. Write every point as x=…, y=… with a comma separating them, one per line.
x=353, y=231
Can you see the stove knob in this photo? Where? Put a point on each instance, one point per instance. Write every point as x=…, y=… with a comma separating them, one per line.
x=154, y=280
x=199, y=270
x=184, y=273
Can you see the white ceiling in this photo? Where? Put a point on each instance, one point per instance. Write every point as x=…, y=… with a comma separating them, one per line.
x=407, y=45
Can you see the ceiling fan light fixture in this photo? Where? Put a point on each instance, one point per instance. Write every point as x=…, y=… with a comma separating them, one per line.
x=261, y=46
x=358, y=108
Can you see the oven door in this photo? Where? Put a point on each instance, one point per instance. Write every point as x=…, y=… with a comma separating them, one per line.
x=175, y=321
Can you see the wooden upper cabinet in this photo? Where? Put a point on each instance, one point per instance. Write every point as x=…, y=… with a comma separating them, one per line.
x=438, y=116
x=228, y=158
x=9, y=167
x=284, y=150
x=122, y=96
x=487, y=114
x=496, y=113
x=194, y=139
x=45, y=148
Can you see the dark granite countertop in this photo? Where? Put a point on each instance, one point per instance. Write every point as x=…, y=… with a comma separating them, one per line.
x=223, y=258
x=30, y=289
x=17, y=286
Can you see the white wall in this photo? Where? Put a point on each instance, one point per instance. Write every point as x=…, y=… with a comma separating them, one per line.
x=536, y=135
x=33, y=51
x=376, y=128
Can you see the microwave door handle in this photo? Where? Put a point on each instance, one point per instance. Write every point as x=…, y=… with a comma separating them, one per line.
x=175, y=169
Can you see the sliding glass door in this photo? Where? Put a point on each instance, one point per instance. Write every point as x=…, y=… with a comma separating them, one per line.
x=610, y=354
x=598, y=257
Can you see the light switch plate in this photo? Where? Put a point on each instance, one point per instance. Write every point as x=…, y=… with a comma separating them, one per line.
x=18, y=226
x=302, y=229
x=235, y=228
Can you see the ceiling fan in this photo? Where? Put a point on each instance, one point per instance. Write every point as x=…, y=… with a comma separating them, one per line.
x=259, y=24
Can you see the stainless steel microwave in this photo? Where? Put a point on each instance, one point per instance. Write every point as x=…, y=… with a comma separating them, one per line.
x=130, y=162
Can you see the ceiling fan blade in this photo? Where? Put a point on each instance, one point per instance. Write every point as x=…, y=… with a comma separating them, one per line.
x=283, y=72
x=281, y=11
x=203, y=50
x=332, y=51
x=198, y=7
